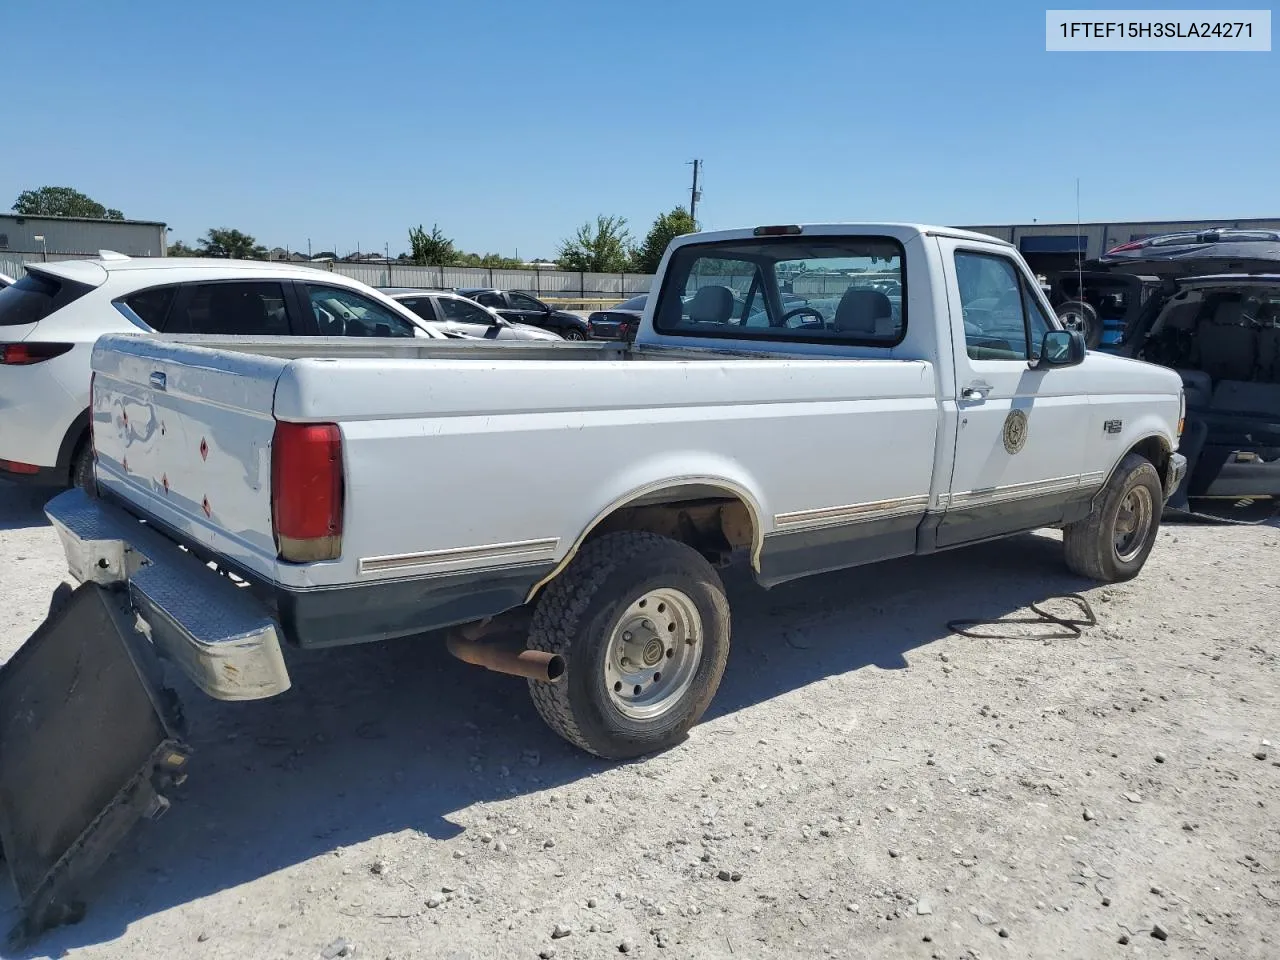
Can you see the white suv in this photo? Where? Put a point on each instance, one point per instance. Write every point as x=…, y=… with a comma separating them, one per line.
x=51, y=317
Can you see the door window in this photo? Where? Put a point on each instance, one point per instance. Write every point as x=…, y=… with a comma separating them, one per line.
x=345, y=313
x=152, y=306
x=231, y=309
x=1002, y=318
x=490, y=299
x=460, y=311
x=422, y=306
x=520, y=301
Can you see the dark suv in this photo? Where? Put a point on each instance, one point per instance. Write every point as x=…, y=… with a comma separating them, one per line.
x=521, y=307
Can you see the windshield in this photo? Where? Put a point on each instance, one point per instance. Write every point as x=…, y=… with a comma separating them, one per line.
x=847, y=289
x=635, y=303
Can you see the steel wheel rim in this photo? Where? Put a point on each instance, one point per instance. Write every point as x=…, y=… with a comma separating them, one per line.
x=1133, y=523
x=1073, y=320
x=653, y=654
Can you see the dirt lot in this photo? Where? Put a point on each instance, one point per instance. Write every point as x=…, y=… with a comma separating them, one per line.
x=868, y=784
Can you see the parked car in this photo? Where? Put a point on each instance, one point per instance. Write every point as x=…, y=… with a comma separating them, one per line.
x=1221, y=333
x=1169, y=254
x=618, y=322
x=856, y=437
x=521, y=307
x=50, y=319
x=454, y=313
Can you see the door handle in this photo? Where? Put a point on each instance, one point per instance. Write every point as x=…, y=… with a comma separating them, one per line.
x=975, y=391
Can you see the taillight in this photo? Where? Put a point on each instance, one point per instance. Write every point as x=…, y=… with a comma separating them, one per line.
x=1137, y=244
x=306, y=491
x=22, y=354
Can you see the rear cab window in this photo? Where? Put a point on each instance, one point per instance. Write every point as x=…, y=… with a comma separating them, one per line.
x=35, y=296
x=849, y=290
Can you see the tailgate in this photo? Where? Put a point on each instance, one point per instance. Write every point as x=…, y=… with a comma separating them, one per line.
x=184, y=432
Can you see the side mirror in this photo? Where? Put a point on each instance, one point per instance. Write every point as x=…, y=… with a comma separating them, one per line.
x=1060, y=348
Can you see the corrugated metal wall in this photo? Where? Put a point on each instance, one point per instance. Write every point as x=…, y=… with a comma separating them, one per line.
x=551, y=283
x=1101, y=237
x=82, y=237
x=555, y=284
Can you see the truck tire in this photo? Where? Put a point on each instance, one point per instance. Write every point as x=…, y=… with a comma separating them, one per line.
x=1080, y=316
x=643, y=625
x=82, y=467
x=1113, y=542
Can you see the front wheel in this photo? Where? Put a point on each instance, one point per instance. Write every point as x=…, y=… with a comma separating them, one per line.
x=1113, y=542
x=642, y=623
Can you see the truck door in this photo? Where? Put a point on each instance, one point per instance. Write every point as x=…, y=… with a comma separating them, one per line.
x=1020, y=433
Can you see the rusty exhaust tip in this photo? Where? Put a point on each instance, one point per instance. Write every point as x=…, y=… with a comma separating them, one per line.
x=512, y=660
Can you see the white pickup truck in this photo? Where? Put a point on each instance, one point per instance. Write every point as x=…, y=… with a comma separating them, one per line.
x=808, y=397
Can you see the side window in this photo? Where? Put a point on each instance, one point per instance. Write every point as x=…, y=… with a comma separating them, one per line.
x=152, y=306
x=991, y=301
x=459, y=311
x=421, y=306
x=345, y=313
x=1037, y=323
x=490, y=300
x=232, y=309
x=522, y=301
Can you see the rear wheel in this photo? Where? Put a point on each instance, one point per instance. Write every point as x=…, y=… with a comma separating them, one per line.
x=1114, y=541
x=573, y=334
x=1081, y=317
x=643, y=625
x=82, y=467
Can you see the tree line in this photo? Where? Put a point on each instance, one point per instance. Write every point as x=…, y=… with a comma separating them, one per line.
x=605, y=246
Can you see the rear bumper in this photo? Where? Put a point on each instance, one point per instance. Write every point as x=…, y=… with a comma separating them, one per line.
x=221, y=636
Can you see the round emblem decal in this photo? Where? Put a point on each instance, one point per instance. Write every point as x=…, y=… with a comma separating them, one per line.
x=1015, y=431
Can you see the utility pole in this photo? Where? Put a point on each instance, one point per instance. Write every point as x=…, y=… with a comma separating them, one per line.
x=695, y=194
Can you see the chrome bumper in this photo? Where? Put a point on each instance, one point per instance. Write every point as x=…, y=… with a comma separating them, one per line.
x=1174, y=473
x=221, y=636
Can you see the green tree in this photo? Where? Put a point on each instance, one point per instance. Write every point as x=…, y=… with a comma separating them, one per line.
x=230, y=244
x=432, y=249
x=62, y=202
x=180, y=249
x=665, y=228
x=604, y=247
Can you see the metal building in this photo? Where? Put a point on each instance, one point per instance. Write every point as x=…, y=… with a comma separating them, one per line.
x=1057, y=246
x=34, y=238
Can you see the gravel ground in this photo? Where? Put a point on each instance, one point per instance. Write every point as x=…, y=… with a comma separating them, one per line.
x=867, y=784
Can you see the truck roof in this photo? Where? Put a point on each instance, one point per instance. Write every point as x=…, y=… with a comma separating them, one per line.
x=850, y=228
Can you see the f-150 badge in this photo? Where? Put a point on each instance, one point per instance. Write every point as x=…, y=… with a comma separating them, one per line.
x=1015, y=431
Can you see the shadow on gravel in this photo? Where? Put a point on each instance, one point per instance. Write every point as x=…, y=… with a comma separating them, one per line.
x=399, y=736
x=22, y=507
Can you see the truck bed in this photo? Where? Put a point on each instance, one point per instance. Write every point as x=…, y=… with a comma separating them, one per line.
x=471, y=470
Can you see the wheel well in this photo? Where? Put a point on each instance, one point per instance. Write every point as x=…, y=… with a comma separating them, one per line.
x=715, y=521
x=1155, y=450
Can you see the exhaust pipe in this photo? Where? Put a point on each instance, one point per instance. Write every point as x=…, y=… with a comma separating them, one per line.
x=530, y=664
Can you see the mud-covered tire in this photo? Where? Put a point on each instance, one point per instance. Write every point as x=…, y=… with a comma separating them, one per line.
x=578, y=616
x=1099, y=546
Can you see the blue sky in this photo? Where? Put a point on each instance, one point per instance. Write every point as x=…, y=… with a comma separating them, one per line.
x=511, y=123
